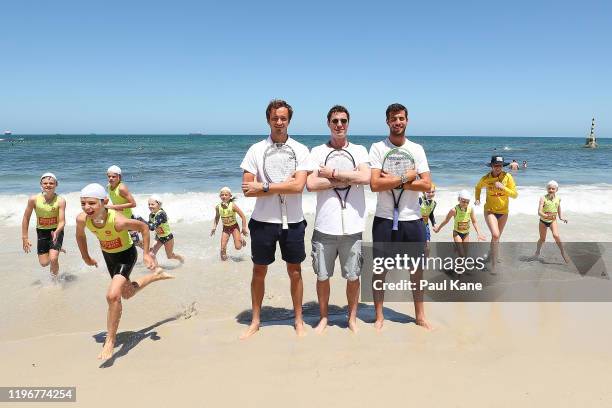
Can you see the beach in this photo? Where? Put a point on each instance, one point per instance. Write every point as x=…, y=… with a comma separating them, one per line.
x=178, y=341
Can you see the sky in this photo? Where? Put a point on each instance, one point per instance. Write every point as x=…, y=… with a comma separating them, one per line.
x=520, y=68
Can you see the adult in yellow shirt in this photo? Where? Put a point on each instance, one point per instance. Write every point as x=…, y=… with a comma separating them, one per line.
x=500, y=188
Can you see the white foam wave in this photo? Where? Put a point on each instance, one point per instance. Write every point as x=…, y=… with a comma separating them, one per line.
x=195, y=207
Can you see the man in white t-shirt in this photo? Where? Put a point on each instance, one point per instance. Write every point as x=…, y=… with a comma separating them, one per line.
x=411, y=227
x=265, y=225
x=336, y=234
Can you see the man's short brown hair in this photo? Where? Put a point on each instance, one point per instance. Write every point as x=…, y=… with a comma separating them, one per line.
x=276, y=104
x=395, y=107
x=338, y=109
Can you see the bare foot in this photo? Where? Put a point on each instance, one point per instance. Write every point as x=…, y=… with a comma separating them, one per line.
x=424, y=324
x=158, y=270
x=352, y=325
x=566, y=259
x=378, y=324
x=162, y=276
x=253, y=328
x=180, y=258
x=107, y=350
x=299, y=329
x=223, y=255
x=321, y=326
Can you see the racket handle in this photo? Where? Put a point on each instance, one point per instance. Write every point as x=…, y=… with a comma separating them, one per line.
x=342, y=217
x=395, y=219
x=285, y=223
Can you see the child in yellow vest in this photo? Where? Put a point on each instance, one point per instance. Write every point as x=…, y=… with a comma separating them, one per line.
x=120, y=197
x=463, y=215
x=50, y=210
x=112, y=229
x=226, y=210
x=158, y=222
x=549, y=209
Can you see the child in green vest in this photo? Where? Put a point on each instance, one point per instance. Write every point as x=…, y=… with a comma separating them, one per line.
x=226, y=210
x=549, y=209
x=463, y=215
x=158, y=222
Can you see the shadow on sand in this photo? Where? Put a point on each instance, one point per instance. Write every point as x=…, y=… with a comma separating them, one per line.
x=127, y=340
x=280, y=316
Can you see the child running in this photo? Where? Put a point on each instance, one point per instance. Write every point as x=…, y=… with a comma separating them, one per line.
x=548, y=209
x=50, y=210
x=112, y=230
x=158, y=222
x=463, y=216
x=227, y=210
x=120, y=197
x=428, y=205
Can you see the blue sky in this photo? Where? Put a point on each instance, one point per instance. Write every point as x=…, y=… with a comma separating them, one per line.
x=462, y=68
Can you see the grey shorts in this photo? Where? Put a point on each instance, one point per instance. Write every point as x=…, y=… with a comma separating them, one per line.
x=326, y=248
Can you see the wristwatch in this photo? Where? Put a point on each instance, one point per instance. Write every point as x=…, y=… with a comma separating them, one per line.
x=266, y=186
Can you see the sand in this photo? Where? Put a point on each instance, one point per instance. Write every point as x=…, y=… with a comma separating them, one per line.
x=178, y=340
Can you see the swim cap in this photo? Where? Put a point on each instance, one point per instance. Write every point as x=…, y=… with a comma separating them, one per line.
x=155, y=197
x=226, y=189
x=49, y=175
x=114, y=169
x=552, y=183
x=465, y=195
x=93, y=190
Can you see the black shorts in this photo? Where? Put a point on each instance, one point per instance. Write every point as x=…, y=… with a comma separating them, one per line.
x=548, y=224
x=165, y=239
x=408, y=231
x=265, y=235
x=121, y=263
x=45, y=242
x=461, y=234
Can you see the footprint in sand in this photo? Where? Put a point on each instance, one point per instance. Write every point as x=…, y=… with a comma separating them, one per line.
x=190, y=310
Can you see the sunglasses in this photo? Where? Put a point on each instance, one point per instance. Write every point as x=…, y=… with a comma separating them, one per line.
x=343, y=121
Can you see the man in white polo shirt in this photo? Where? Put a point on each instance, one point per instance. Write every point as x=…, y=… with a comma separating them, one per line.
x=411, y=227
x=265, y=225
x=332, y=237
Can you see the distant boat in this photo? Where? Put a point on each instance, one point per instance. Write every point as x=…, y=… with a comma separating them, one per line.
x=591, y=140
x=7, y=133
x=196, y=134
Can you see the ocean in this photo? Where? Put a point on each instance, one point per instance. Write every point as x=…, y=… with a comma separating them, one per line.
x=188, y=170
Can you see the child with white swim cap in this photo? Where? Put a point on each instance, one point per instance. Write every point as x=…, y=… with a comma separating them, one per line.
x=226, y=210
x=549, y=210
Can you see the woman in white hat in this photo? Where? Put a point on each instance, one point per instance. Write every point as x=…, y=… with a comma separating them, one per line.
x=50, y=210
x=112, y=230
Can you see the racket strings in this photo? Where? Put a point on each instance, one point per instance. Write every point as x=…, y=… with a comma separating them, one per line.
x=279, y=164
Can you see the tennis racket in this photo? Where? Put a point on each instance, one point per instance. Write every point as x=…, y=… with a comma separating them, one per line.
x=397, y=161
x=341, y=160
x=279, y=163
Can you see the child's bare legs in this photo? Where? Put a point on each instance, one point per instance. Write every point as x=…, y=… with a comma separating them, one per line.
x=543, y=230
x=224, y=238
x=555, y=233
x=169, y=247
x=238, y=240
x=153, y=253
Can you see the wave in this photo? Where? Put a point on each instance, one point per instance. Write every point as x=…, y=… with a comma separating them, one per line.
x=194, y=207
